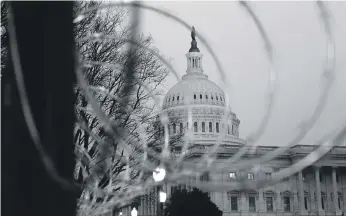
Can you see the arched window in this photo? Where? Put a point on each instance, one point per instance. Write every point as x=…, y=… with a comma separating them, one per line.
x=217, y=127
x=195, y=127
x=212, y=97
x=217, y=98
x=173, y=98
x=210, y=127
x=200, y=96
x=232, y=129
x=206, y=97
x=220, y=98
x=229, y=132
x=194, y=96
x=181, y=128
x=169, y=99
x=203, y=126
x=174, y=128
x=177, y=98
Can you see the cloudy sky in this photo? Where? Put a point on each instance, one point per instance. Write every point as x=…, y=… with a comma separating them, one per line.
x=299, y=46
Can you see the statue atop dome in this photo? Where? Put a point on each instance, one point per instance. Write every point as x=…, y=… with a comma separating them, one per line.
x=194, y=47
x=193, y=33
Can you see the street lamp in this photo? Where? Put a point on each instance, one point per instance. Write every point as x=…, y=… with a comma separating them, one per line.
x=162, y=196
x=134, y=212
x=159, y=174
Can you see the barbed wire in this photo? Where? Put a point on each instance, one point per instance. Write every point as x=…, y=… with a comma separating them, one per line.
x=178, y=169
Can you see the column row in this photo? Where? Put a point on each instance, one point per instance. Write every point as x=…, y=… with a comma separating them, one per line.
x=302, y=207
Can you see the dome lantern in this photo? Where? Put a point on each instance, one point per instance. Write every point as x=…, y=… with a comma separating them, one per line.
x=194, y=56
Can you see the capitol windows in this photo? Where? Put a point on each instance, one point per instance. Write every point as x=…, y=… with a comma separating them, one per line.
x=195, y=127
x=177, y=98
x=252, y=204
x=174, y=128
x=250, y=176
x=217, y=127
x=287, y=204
x=220, y=98
x=229, y=132
x=200, y=96
x=286, y=197
x=234, y=203
x=210, y=127
x=181, y=128
x=203, y=126
x=232, y=175
x=173, y=98
x=217, y=98
x=206, y=97
x=269, y=196
x=204, y=177
x=212, y=97
x=269, y=203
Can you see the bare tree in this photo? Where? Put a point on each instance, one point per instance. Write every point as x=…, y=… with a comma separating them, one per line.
x=107, y=81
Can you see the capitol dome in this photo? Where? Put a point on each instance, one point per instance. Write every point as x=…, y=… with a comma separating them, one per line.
x=212, y=121
x=194, y=89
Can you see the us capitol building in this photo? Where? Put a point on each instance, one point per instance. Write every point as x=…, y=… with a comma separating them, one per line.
x=317, y=190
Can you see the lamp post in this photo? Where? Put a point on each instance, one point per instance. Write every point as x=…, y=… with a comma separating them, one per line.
x=161, y=198
x=158, y=175
x=134, y=212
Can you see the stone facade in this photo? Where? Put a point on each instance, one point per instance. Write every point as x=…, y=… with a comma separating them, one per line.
x=317, y=190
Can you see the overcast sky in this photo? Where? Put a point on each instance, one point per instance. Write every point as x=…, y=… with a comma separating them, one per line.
x=299, y=42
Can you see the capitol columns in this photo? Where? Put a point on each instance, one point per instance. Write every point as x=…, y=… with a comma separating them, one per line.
x=303, y=211
x=335, y=192
x=318, y=191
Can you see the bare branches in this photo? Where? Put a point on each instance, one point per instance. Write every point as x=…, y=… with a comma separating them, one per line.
x=105, y=69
